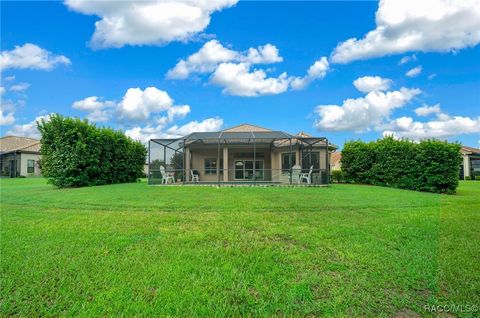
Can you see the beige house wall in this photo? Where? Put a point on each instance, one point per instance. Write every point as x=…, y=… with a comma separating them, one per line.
x=24, y=157
x=466, y=166
x=228, y=155
x=272, y=161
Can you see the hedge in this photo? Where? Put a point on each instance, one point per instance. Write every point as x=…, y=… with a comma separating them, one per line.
x=429, y=165
x=76, y=154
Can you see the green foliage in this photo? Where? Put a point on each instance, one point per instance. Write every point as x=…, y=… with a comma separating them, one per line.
x=430, y=165
x=76, y=154
x=338, y=176
x=477, y=177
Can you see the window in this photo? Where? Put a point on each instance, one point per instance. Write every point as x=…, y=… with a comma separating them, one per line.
x=310, y=159
x=30, y=166
x=244, y=170
x=286, y=161
x=211, y=166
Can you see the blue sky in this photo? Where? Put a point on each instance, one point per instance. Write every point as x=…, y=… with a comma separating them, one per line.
x=98, y=71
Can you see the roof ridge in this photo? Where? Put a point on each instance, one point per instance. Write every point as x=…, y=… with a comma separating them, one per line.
x=247, y=124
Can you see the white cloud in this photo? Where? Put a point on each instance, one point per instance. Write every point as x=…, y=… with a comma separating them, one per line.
x=204, y=61
x=367, y=84
x=443, y=127
x=407, y=59
x=19, y=87
x=31, y=56
x=153, y=107
x=136, y=105
x=147, y=22
x=28, y=130
x=10, y=78
x=6, y=119
x=411, y=25
x=178, y=112
x=414, y=72
x=360, y=114
x=98, y=110
x=317, y=71
x=207, y=59
x=236, y=79
x=146, y=133
x=2, y=90
x=432, y=76
x=266, y=54
x=139, y=105
x=426, y=110
x=209, y=124
x=233, y=70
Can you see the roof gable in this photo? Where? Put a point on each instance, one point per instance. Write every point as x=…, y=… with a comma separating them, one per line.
x=246, y=128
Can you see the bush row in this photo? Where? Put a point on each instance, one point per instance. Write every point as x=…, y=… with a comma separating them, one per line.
x=429, y=165
x=76, y=153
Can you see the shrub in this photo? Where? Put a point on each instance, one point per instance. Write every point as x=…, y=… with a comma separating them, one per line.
x=477, y=177
x=338, y=176
x=468, y=178
x=76, y=153
x=426, y=166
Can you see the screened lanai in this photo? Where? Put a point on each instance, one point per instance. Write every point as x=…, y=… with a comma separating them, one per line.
x=239, y=157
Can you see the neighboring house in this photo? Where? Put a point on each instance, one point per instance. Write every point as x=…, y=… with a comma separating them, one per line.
x=335, y=161
x=241, y=154
x=19, y=156
x=471, y=162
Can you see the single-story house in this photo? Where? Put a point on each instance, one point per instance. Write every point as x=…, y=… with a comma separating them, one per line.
x=242, y=154
x=471, y=162
x=19, y=156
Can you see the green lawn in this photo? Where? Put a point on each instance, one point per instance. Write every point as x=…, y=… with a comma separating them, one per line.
x=133, y=249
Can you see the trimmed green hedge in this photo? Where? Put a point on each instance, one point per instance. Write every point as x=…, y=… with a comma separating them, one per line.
x=430, y=165
x=76, y=154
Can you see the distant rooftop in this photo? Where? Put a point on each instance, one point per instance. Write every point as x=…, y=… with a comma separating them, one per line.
x=466, y=149
x=17, y=143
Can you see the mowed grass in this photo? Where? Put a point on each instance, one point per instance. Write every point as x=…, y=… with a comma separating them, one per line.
x=138, y=250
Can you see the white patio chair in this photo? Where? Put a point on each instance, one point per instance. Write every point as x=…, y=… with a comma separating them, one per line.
x=194, y=175
x=166, y=176
x=307, y=176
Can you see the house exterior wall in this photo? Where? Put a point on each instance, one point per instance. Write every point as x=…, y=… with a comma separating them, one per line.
x=466, y=166
x=197, y=162
x=198, y=156
x=23, y=166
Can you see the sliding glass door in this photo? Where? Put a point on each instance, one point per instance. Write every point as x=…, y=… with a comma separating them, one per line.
x=244, y=170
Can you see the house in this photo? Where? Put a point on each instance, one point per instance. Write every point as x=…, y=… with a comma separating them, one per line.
x=241, y=154
x=19, y=156
x=335, y=161
x=471, y=162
